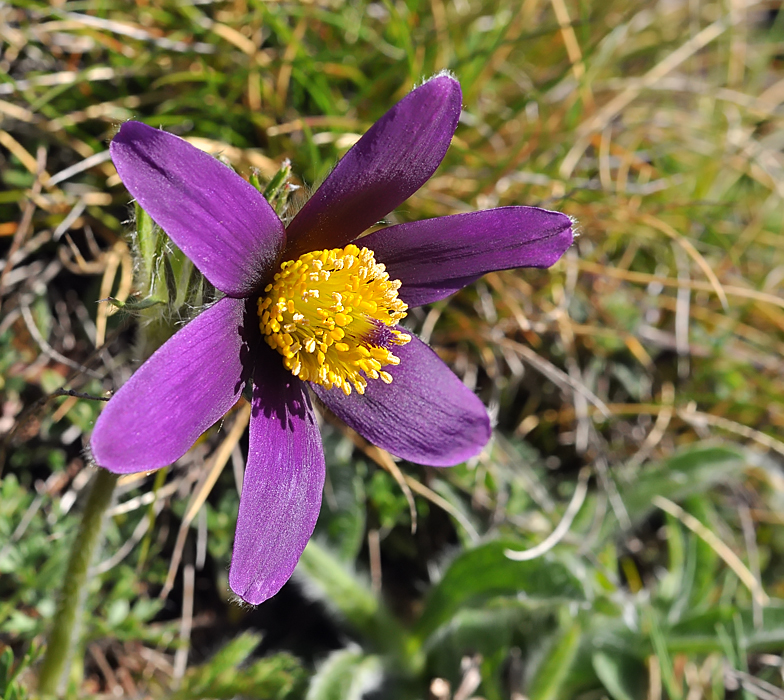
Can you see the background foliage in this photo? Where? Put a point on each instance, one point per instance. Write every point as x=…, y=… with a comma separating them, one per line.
x=637, y=387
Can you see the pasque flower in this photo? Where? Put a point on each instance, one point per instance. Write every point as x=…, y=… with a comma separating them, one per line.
x=311, y=307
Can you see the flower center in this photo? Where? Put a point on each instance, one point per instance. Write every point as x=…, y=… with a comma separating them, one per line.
x=331, y=314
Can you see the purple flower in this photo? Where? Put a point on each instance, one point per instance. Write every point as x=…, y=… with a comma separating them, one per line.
x=306, y=303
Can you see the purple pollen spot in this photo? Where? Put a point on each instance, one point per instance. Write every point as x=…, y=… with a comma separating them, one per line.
x=381, y=335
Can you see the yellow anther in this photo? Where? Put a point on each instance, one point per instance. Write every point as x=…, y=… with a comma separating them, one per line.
x=332, y=314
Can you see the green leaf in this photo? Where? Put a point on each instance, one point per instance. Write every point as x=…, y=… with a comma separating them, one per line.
x=170, y=279
x=485, y=572
x=193, y=287
x=278, y=189
x=658, y=637
x=19, y=623
x=387, y=500
x=623, y=676
x=693, y=470
x=225, y=675
x=10, y=688
x=277, y=182
x=554, y=668
x=6, y=664
x=703, y=558
x=327, y=578
x=147, y=241
x=117, y=612
x=697, y=633
x=491, y=632
x=346, y=674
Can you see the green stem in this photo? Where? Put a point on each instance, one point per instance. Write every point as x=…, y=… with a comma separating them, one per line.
x=62, y=636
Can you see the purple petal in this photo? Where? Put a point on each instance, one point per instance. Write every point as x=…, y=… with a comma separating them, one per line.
x=436, y=257
x=219, y=221
x=384, y=168
x=185, y=387
x=426, y=415
x=281, y=492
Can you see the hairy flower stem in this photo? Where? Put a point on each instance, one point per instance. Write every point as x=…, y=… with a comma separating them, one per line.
x=62, y=636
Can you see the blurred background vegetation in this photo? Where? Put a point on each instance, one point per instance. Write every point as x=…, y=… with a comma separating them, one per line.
x=637, y=387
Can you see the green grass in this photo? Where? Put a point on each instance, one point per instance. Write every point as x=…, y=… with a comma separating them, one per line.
x=650, y=355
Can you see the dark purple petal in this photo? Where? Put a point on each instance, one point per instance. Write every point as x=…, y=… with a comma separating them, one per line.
x=219, y=221
x=185, y=387
x=436, y=257
x=281, y=492
x=426, y=415
x=384, y=168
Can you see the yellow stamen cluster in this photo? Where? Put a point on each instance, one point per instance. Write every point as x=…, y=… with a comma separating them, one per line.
x=331, y=314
